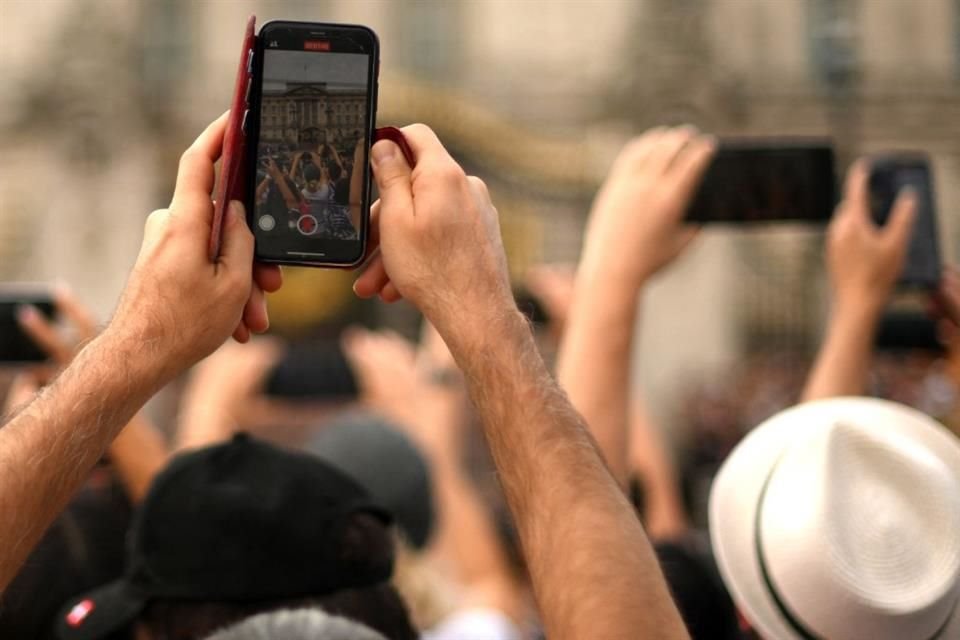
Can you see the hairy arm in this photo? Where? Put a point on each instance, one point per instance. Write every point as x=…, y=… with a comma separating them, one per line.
x=593, y=570
x=48, y=448
x=864, y=263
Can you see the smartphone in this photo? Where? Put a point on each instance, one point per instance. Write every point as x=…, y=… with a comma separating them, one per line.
x=313, y=97
x=15, y=346
x=767, y=181
x=889, y=174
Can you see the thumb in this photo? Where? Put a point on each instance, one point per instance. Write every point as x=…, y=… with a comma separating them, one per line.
x=393, y=176
x=899, y=227
x=237, y=250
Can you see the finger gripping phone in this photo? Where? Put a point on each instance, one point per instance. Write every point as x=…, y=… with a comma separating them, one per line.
x=889, y=175
x=313, y=96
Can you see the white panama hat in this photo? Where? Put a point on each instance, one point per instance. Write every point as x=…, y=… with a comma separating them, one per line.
x=840, y=519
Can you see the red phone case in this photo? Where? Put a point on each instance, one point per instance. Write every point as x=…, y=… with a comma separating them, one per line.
x=233, y=158
x=232, y=178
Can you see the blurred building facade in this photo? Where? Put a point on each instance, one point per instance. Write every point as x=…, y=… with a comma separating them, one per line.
x=534, y=96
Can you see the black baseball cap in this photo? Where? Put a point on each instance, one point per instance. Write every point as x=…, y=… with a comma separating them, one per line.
x=243, y=521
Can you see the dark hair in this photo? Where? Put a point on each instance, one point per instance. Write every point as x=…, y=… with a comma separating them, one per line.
x=698, y=591
x=82, y=549
x=311, y=172
x=364, y=540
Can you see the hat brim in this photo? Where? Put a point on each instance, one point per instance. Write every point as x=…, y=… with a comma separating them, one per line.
x=112, y=606
x=737, y=490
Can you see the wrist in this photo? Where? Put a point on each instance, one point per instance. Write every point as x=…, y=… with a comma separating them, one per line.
x=143, y=357
x=608, y=269
x=474, y=336
x=858, y=306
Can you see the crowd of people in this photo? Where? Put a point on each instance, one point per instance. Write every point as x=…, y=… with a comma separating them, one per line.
x=316, y=182
x=373, y=517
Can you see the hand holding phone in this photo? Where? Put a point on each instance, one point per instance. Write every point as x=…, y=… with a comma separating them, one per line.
x=864, y=260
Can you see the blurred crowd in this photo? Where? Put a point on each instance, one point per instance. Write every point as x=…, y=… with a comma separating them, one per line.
x=498, y=477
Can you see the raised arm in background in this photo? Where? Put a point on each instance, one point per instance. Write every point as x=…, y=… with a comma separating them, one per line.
x=593, y=571
x=635, y=228
x=422, y=392
x=139, y=452
x=863, y=262
x=176, y=308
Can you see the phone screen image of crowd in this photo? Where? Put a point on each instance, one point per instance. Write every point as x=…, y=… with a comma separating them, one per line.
x=313, y=112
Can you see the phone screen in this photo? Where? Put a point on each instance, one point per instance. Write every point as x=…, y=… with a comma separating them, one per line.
x=764, y=181
x=888, y=176
x=15, y=346
x=316, y=103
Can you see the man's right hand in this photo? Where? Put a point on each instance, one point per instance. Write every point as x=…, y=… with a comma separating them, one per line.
x=439, y=237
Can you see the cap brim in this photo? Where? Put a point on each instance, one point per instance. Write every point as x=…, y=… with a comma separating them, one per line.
x=111, y=607
x=736, y=494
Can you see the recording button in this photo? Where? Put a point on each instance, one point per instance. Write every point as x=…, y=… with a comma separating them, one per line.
x=249, y=60
x=243, y=123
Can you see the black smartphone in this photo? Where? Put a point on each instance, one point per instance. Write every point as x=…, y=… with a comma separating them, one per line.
x=767, y=180
x=313, y=96
x=15, y=346
x=889, y=174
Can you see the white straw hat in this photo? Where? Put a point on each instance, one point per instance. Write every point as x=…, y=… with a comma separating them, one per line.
x=840, y=519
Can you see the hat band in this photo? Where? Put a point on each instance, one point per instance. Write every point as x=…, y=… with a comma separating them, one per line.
x=792, y=620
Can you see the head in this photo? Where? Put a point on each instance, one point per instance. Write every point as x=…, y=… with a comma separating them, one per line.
x=239, y=529
x=297, y=624
x=697, y=590
x=311, y=174
x=82, y=549
x=838, y=519
x=386, y=463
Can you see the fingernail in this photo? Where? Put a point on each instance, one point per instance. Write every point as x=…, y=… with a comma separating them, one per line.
x=236, y=210
x=27, y=312
x=383, y=151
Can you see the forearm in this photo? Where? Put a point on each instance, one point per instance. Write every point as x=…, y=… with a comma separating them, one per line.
x=843, y=361
x=664, y=514
x=138, y=454
x=466, y=541
x=594, y=362
x=48, y=448
x=593, y=570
